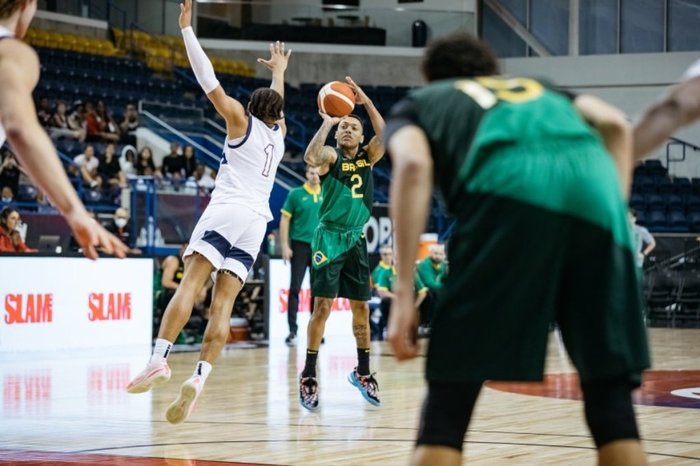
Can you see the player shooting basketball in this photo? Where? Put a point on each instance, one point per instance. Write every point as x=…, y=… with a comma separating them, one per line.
x=340, y=266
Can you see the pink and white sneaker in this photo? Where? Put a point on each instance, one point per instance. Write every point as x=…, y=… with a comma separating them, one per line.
x=152, y=375
x=180, y=409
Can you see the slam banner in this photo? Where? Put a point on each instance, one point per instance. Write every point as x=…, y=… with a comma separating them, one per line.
x=339, y=322
x=54, y=303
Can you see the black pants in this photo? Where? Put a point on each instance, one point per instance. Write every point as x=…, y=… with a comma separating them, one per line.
x=301, y=259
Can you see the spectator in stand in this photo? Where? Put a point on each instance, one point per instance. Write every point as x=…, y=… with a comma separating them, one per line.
x=110, y=170
x=7, y=196
x=86, y=165
x=43, y=203
x=9, y=172
x=174, y=165
x=203, y=177
x=10, y=238
x=60, y=125
x=144, y=163
x=127, y=161
x=189, y=160
x=129, y=125
x=44, y=113
x=97, y=124
x=121, y=228
x=110, y=130
x=76, y=120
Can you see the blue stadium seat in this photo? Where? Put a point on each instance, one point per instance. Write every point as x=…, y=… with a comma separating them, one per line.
x=638, y=202
x=677, y=222
x=656, y=220
x=655, y=201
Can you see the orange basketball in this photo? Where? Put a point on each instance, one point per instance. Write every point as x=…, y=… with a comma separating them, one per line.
x=336, y=99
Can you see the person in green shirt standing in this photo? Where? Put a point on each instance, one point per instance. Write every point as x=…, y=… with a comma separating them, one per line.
x=297, y=224
x=432, y=271
x=339, y=261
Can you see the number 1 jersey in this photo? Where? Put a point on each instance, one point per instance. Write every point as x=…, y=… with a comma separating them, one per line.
x=248, y=167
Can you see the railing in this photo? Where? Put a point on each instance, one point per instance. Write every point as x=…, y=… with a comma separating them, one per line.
x=684, y=146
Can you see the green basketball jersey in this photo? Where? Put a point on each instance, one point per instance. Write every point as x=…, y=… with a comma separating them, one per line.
x=487, y=132
x=348, y=191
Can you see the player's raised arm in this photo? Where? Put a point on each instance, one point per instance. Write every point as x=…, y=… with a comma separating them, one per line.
x=229, y=108
x=680, y=107
x=277, y=64
x=19, y=73
x=375, y=147
x=317, y=153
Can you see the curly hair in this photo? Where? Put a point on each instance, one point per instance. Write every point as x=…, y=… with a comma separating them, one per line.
x=8, y=7
x=266, y=103
x=458, y=55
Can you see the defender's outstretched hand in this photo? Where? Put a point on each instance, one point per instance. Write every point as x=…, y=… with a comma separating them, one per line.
x=278, y=58
x=185, y=14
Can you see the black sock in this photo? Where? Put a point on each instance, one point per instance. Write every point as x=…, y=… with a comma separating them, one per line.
x=310, y=364
x=363, y=361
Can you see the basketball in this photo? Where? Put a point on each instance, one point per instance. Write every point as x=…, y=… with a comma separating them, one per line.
x=336, y=99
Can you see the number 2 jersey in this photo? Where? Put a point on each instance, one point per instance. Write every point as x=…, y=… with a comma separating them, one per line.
x=348, y=191
x=248, y=167
x=466, y=120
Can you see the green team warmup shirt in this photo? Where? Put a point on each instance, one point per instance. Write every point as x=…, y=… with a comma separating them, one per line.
x=381, y=269
x=541, y=234
x=432, y=276
x=387, y=280
x=301, y=207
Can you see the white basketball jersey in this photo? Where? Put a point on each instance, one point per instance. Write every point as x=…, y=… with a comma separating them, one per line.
x=248, y=167
x=4, y=32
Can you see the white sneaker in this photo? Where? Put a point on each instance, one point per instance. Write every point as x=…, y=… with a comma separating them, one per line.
x=180, y=409
x=152, y=375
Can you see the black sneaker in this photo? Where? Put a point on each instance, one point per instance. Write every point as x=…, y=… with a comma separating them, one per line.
x=308, y=393
x=291, y=340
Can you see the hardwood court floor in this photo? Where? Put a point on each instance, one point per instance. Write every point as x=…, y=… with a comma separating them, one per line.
x=70, y=409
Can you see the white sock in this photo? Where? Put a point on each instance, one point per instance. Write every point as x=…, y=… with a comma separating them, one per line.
x=202, y=369
x=161, y=350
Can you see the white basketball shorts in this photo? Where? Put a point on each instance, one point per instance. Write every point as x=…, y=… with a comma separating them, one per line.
x=229, y=236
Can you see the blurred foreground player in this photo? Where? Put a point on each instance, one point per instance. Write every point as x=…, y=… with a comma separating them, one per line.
x=19, y=74
x=518, y=163
x=227, y=237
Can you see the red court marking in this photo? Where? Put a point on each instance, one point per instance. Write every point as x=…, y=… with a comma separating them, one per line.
x=46, y=458
x=655, y=390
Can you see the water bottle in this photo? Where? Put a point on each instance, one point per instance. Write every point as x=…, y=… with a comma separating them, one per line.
x=150, y=232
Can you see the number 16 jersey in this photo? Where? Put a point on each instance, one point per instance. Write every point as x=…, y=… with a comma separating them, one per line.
x=248, y=167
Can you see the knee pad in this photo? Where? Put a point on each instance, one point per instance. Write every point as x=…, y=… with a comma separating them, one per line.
x=447, y=410
x=609, y=411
